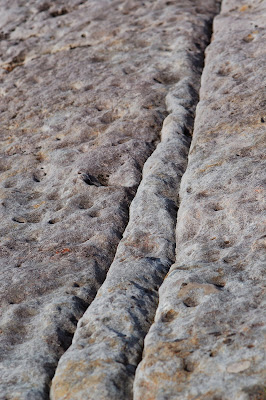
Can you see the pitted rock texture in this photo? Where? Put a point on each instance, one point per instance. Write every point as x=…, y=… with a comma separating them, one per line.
x=83, y=87
x=108, y=343
x=207, y=339
x=83, y=92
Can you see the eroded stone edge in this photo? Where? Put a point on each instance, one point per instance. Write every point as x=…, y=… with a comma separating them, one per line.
x=171, y=367
x=107, y=345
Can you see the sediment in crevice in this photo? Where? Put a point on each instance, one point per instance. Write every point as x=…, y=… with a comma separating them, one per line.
x=207, y=341
x=107, y=345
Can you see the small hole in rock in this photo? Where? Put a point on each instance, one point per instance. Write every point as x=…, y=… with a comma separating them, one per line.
x=93, y=214
x=53, y=221
x=36, y=179
x=190, y=302
x=168, y=316
x=58, y=13
x=217, y=208
x=90, y=180
x=219, y=285
x=20, y=220
x=188, y=366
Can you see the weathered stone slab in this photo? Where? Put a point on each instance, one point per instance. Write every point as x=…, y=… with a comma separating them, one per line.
x=108, y=343
x=83, y=87
x=207, y=338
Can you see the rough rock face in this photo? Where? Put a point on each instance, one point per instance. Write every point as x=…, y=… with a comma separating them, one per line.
x=108, y=343
x=85, y=89
x=207, y=339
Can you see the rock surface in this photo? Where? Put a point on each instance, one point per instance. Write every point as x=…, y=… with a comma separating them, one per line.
x=83, y=87
x=207, y=339
x=108, y=343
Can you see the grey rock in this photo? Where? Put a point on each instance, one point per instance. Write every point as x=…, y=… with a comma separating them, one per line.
x=108, y=342
x=207, y=339
x=83, y=87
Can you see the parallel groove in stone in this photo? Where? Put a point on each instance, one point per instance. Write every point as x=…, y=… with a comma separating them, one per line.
x=83, y=88
x=108, y=343
x=207, y=340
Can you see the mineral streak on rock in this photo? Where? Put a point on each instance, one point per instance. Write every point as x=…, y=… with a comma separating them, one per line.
x=207, y=338
x=108, y=343
x=83, y=87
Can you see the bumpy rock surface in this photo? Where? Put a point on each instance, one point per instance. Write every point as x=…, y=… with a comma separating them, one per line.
x=108, y=343
x=207, y=339
x=83, y=87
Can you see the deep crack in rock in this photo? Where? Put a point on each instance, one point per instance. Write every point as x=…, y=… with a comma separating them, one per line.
x=108, y=343
x=83, y=88
x=212, y=345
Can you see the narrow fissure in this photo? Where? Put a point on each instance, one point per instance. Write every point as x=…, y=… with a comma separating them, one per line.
x=195, y=347
x=109, y=337
x=188, y=132
x=77, y=135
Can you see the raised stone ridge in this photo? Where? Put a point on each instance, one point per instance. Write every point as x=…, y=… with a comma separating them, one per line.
x=98, y=107
x=108, y=343
x=207, y=340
